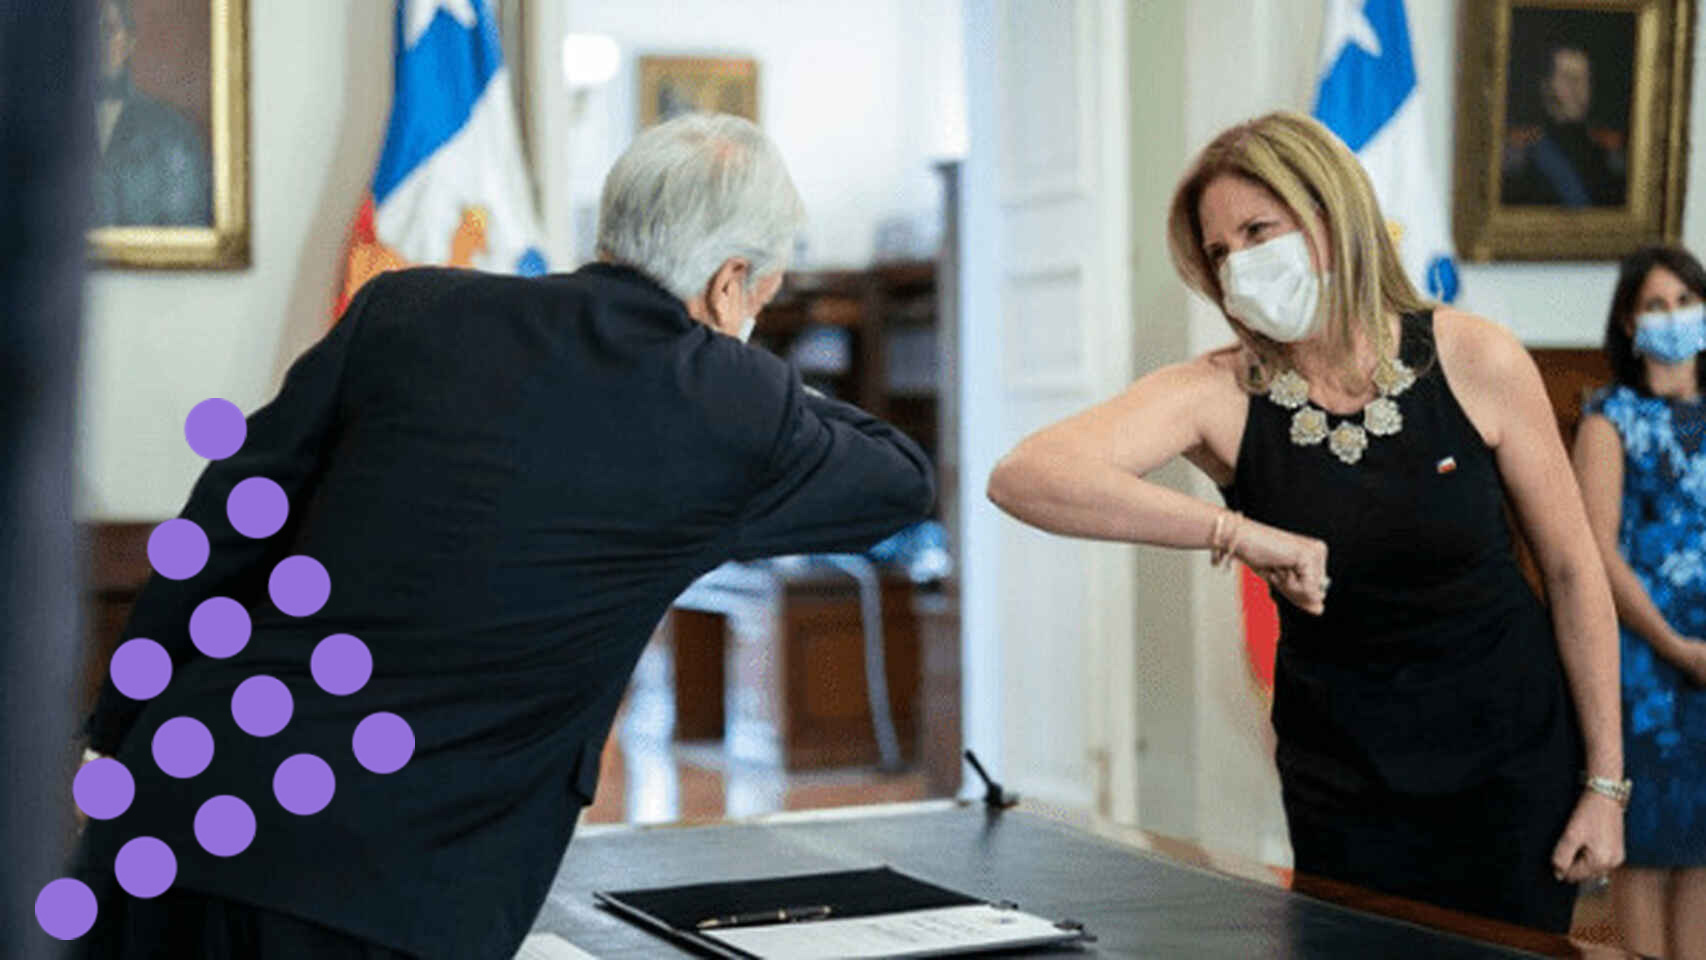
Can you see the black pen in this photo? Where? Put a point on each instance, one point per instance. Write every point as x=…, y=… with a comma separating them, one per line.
x=780, y=915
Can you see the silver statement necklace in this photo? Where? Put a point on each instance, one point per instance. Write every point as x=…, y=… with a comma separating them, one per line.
x=1348, y=440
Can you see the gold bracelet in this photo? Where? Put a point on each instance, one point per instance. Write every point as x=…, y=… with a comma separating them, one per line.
x=1236, y=534
x=1220, y=553
x=1617, y=790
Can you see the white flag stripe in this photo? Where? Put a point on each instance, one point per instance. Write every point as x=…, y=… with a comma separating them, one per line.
x=480, y=166
x=1397, y=163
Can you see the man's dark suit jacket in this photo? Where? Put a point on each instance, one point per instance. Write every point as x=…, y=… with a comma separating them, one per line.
x=508, y=481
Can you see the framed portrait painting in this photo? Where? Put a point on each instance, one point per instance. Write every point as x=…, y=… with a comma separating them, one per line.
x=674, y=85
x=171, y=185
x=1572, y=127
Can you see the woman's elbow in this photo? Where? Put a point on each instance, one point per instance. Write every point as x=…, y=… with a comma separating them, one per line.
x=1010, y=483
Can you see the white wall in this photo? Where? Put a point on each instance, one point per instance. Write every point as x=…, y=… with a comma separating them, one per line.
x=158, y=342
x=860, y=98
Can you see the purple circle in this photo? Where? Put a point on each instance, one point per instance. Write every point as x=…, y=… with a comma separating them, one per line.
x=225, y=826
x=65, y=909
x=215, y=428
x=299, y=585
x=103, y=789
x=262, y=706
x=145, y=867
x=177, y=549
x=141, y=668
x=341, y=664
x=220, y=627
x=257, y=507
x=183, y=747
x=304, y=784
x=384, y=742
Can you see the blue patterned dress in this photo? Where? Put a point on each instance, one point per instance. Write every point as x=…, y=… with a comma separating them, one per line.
x=1663, y=537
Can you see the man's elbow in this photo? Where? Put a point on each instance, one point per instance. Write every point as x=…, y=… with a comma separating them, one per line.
x=920, y=495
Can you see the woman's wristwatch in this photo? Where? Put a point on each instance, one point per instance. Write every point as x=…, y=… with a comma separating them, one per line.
x=1617, y=790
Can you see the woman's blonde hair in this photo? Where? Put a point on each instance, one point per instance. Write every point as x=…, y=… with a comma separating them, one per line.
x=1312, y=173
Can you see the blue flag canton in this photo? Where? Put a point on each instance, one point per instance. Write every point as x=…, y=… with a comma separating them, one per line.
x=1361, y=91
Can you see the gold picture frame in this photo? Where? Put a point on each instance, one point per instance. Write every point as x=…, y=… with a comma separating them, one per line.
x=211, y=229
x=1560, y=157
x=672, y=85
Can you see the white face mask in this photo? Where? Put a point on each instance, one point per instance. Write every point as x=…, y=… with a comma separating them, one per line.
x=1273, y=289
x=746, y=326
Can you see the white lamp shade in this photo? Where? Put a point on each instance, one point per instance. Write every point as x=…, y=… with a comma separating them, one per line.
x=589, y=60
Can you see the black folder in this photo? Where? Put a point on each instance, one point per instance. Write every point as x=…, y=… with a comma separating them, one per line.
x=681, y=912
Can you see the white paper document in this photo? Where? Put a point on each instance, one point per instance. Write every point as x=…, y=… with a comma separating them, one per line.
x=549, y=946
x=918, y=933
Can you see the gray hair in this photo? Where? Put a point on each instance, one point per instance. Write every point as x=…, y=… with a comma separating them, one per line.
x=693, y=192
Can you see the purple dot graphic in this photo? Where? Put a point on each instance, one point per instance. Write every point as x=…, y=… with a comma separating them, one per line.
x=145, y=867
x=215, y=429
x=141, y=668
x=220, y=627
x=177, y=549
x=304, y=784
x=225, y=826
x=183, y=747
x=103, y=789
x=257, y=507
x=65, y=909
x=299, y=585
x=262, y=706
x=341, y=664
x=384, y=742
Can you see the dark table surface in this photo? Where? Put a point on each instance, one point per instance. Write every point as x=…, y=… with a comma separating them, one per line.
x=1141, y=896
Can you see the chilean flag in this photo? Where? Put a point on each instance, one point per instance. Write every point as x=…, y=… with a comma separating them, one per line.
x=451, y=187
x=1369, y=96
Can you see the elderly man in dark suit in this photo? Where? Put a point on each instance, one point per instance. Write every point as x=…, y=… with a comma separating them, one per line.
x=507, y=481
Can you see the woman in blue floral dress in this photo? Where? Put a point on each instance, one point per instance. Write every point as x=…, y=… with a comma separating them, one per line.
x=1642, y=465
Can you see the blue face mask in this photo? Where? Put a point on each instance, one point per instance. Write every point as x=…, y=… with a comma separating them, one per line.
x=1671, y=337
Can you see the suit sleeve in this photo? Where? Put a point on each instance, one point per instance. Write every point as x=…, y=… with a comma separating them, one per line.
x=286, y=442
x=839, y=480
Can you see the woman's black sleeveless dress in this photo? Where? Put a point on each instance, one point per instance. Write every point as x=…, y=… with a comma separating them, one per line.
x=1427, y=744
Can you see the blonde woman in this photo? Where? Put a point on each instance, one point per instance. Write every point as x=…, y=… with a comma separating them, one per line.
x=1426, y=703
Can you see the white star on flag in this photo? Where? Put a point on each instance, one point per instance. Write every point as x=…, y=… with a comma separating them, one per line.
x=418, y=16
x=1346, y=24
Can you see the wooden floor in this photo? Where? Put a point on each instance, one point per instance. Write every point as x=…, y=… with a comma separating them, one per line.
x=647, y=777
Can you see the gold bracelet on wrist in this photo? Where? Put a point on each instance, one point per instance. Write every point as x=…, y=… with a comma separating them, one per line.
x=1617, y=790
x=1221, y=552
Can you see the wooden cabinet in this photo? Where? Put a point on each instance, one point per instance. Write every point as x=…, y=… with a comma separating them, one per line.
x=117, y=567
x=869, y=337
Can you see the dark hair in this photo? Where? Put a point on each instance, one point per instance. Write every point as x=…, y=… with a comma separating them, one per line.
x=1626, y=366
